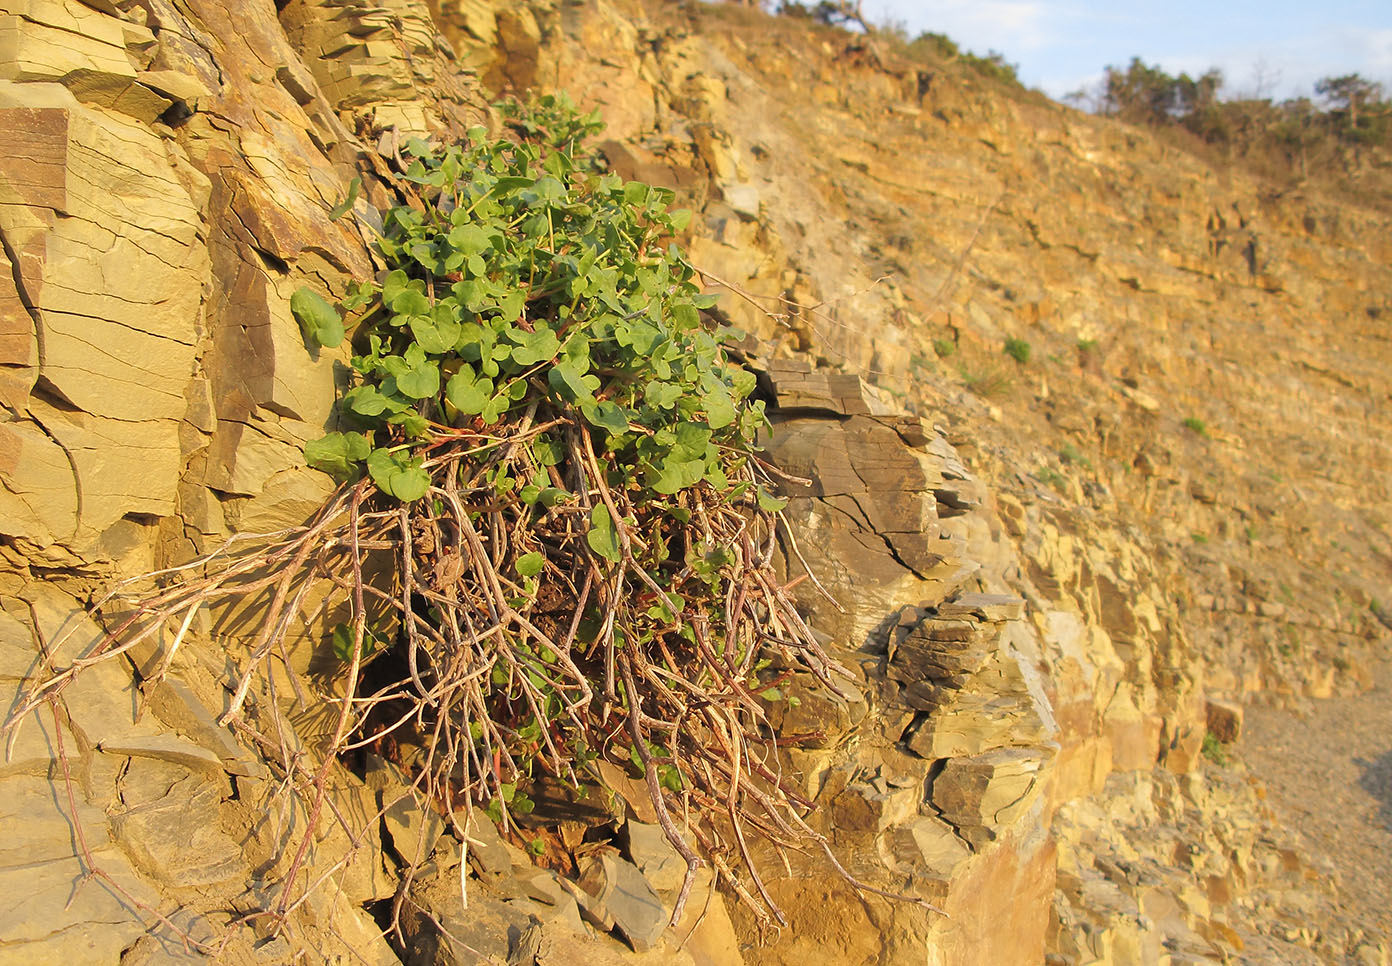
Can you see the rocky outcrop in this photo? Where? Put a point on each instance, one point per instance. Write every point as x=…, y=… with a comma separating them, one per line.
x=1051, y=579
x=934, y=782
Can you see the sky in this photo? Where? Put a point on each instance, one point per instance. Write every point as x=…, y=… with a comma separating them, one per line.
x=1273, y=48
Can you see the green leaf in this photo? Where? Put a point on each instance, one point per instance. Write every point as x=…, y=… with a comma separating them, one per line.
x=552, y=495
x=720, y=411
x=569, y=382
x=319, y=321
x=601, y=536
x=545, y=193
x=470, y=240
x=398, y=474
x=661, y=395
x=472, y=293
x=675, y=475
x=743, y=382
x=346, y=205
x=368, y=401
x=547, y=450
x=770, y=503
x=337, y=454
x=529, y=564
x=412, y=422
x=511, y=305
x=342, y=642
x=691, y=441
x=685, y=316
x=605, y=415
x=409, y=301
x=642, y=336
x=393, y=285
x=534, y=347
x=438, y=332
x=469, y=392
x=417, y=376
x=494, y=409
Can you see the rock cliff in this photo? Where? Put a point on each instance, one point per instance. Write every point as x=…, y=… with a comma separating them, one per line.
x=1058, y=573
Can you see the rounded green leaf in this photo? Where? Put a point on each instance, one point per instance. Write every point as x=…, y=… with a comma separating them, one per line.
x=337, y=454
x=437, y=333
x=409, y=301
x=319, y=321
x=398, y=474
x=533, y=347
x=469, y=392
x=529, y=564
x=661, y=395
x=416, y=376
x=770, y=503
x=601, y=536
x=368, y=401
x=470, y=239
x=674, y=475
x=547, y=450
x=569, y=381
x=720, y=410
x=605, y=415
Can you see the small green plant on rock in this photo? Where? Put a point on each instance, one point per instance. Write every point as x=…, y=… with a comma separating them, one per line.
x=1052, y=477
x=548, y=450
x=1069, y=453
x=1213, y=749
x=1018, y=349
x=1196, y=426
x=991, y=380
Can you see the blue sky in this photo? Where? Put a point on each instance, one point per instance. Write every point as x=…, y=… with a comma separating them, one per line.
x=1279, y=46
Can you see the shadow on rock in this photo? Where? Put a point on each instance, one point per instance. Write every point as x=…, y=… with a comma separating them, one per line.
x=1377, y=781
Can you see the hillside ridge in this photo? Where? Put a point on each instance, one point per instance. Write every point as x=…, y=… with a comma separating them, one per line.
x=1090, y=440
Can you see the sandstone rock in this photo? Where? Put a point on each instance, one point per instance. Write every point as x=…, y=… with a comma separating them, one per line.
x=48, y=919
x=170, y=748
x=707, y=933
x=1224, y=720
x=864, y=810
x=615, y=895
x=123, y=269
x=473, y=937
x=176, y=704
x=986, y=607
x=993, y=709
x=414, y=827
x=934, y=844
x=939, y=655
x=797, y=385
x=654, y=856
x=173, y=831
x=989, y=789
x=488, y=854
x=871, y=500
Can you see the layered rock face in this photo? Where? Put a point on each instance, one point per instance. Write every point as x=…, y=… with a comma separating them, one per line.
x=1048, y=586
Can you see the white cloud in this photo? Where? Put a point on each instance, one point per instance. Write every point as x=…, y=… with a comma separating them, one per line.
x=1377, y=47
x=1004, y=25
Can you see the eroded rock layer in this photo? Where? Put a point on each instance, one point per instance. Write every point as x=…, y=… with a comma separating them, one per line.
x=1055, y=579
